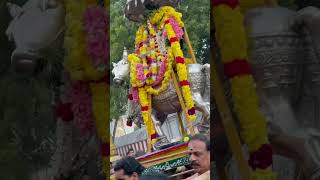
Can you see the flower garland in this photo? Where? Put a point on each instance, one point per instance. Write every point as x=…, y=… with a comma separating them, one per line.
x=231, y=37
x=100, y=108
x=152, y=59
x=81, y=107
x=77, y=61
x=163, y=76
x=146, y=111
x=95, y=23
x=149, y=67
x=168, y=18
x=85, y=58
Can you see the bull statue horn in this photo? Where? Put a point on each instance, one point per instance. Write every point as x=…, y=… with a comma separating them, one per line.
x=125, y=55
x=14, y=9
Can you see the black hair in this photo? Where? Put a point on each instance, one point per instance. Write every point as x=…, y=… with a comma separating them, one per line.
x=129, y=166
x=129, y=151
x=153, y=175
x=203, y=138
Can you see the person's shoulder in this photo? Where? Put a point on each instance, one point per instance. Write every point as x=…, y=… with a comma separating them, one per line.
x=204, y=176
x=192, y=177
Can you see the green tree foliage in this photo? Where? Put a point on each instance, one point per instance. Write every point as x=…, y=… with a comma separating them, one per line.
x=122, y=34
x=196, y=16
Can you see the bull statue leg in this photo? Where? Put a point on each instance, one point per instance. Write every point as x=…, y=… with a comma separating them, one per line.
x=162, y=140
x=197, y=79
x=204, y=108
x=157, y=125
x=134, y=115
x=295, y=148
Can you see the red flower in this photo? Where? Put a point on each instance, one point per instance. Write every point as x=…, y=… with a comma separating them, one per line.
x=192, y=111
x=154, y=136
x=64, y=112
x=149, y=75
x=262, y=158
x=144, y=108
x=130, y=97
x=237, y=67
x=231, y=3
x=184, y=83
x=140, y=44
x=105, y=149
x=149, y=60
x=179, y=60
x=174, y=39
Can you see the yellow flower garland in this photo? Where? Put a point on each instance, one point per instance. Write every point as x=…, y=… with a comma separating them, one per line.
x=100, y=108
x=233, y=46
x=77, y=61
x=159, y=17
x=166, y=12
x=78, y=64
x=152, y=43
x=231, y=37
x=134, y=60
x=145, y=103
x=167, y=76
x=145, y=89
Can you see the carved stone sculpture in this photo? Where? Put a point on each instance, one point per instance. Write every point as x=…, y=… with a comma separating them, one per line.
x=285, y=59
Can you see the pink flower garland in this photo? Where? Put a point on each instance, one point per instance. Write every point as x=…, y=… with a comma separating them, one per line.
x=135, y=94
x=176, y=28
x=163, y=68
x=140, y=72
x=82, y=107
x=95, y=21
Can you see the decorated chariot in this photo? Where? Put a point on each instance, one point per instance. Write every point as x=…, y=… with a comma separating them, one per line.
x=267, y=83
x=163, y=81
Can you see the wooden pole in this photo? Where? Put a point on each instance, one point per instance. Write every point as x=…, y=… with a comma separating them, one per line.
x=183, y=131
x=183, y=106
x=149, y=141
x=228, y=123
x=187, y=40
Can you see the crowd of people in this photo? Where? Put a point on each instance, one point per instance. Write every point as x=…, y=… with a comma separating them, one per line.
x=128, y=168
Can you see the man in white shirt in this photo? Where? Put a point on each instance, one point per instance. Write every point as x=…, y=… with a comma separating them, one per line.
x=199, y=152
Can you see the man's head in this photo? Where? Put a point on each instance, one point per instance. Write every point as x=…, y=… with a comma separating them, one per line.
x=199, y=152
x=130, y=152
x=128, y=168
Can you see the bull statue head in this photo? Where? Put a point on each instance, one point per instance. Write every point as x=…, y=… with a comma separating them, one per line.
x=121, y=69
x=33, y=27
x=136, y=10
